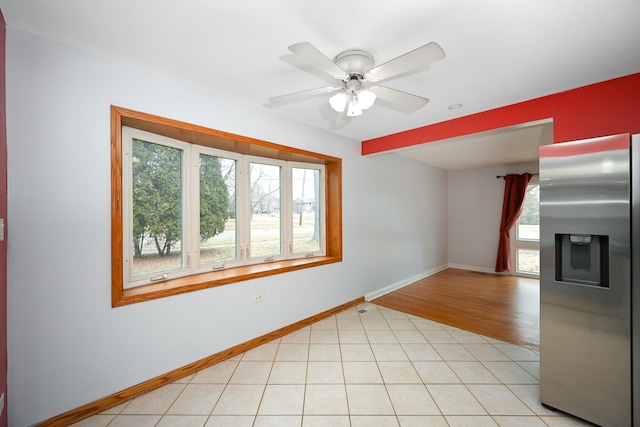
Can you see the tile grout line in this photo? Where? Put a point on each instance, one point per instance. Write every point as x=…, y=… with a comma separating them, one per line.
x=514, y=358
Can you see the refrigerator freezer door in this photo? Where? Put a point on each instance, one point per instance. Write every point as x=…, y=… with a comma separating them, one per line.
x=585, y=314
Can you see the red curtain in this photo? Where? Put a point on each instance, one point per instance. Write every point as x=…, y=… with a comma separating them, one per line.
x=515, y=189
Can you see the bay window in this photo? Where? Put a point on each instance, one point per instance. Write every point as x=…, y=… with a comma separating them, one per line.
x=197, y=211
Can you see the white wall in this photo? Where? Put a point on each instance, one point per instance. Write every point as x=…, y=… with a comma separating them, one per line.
x=66, y=345
x=475, y=208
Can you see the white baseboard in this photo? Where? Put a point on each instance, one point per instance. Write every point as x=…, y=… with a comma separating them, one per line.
x=401, y=284
x=478, y=269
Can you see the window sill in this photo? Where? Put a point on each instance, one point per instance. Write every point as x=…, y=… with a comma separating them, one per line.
x=215, y=278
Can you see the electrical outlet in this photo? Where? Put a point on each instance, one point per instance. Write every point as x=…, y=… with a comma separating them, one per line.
x=258, y=298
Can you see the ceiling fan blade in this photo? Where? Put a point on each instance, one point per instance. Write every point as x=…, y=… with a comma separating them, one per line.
x=318, y=59
x=302, y=95
x=416, y=59
x=408, y=101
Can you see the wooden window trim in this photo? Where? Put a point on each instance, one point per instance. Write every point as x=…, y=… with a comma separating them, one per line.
x=229, y=142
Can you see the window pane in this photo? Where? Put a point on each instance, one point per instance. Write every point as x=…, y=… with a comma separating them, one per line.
x=306, y=210
x=218, y=238
x=528, y=261
x=528, y=225
x=265, y=210
x=157, y=208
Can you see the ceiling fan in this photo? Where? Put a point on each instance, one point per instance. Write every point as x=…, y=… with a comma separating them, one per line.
x=358, y=88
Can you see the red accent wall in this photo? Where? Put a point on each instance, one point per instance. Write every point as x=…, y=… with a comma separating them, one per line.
x=601, y=109
x=3, y=214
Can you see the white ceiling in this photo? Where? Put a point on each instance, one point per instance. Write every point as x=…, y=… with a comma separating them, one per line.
x=517, y=144
x=498, y=52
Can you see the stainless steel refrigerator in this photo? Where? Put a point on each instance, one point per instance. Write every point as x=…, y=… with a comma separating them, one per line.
x=589, y=278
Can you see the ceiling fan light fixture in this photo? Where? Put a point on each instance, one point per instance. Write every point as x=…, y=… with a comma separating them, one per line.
x=339, y=101
x=366, y=98
x=354, y=107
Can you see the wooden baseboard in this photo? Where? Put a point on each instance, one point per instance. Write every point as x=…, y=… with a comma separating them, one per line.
x=116, y=399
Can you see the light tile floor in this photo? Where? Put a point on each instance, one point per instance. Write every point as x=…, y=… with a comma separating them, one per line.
x=367, y=366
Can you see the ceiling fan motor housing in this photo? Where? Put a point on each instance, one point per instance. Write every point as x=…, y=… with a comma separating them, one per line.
x=354, y=62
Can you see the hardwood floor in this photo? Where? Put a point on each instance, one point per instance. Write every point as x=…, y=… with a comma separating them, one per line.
x=501, y=307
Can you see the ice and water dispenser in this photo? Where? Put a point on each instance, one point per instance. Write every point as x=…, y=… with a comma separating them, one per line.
x=582, y=259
